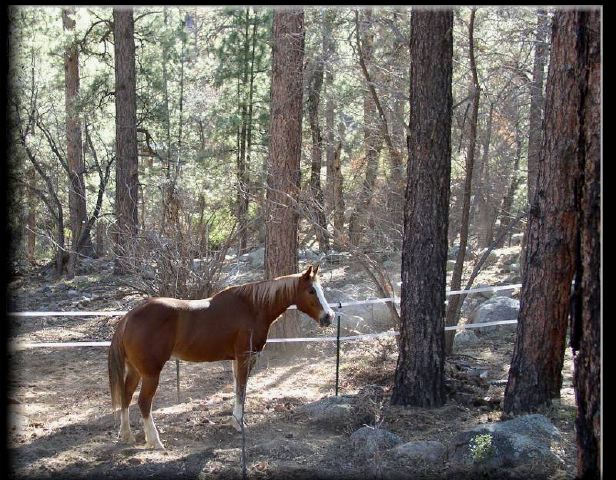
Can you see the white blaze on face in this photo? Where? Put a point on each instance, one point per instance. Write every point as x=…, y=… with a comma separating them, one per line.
x=321, y=297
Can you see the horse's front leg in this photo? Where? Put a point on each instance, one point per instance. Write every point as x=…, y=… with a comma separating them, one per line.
x=241, y=369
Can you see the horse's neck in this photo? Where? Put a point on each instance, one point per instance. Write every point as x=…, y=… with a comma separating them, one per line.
x=274, y=297
x=283, y=299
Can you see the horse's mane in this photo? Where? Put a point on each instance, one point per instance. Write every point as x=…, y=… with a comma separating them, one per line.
x=268, y=291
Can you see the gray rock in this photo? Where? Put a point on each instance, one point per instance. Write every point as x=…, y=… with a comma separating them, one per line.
x=423, y=451
x=256, y=257
x=525, y=441
x=367, y=441
x=516, y=239
x=464, y=338
x=333, y=413
x=72, y=293
x=496, y=309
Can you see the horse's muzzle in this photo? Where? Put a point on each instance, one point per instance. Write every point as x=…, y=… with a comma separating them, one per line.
x=326, y=319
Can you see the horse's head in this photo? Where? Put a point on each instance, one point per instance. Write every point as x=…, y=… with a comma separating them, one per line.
x=310, y=298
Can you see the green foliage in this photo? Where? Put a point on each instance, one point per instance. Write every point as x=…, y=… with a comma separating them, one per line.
x=193, y=64
x=481, y=447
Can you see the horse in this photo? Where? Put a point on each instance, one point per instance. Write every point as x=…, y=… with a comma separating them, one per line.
x=231, y=325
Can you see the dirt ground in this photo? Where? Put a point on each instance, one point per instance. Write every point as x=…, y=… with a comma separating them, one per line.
x=61, y=423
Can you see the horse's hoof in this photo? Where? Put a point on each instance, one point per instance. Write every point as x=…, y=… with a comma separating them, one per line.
x=155, y=445
x=236, y=424
x=126, y=438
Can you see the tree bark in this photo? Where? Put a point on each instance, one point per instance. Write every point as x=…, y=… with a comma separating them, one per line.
x=74, y=153
x=283, y=172
x=127, y=176
x=535, y=375
x=453, y=306
x=419, y=376
x=586, y=314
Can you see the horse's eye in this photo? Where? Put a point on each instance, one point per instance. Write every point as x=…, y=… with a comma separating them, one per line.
x=312, y=291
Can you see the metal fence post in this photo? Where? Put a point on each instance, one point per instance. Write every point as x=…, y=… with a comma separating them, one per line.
x=338, y=346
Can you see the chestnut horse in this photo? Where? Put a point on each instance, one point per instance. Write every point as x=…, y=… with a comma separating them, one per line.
x=231, y=325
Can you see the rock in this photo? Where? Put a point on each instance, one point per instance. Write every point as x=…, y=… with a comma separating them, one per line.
x=494, y=310
x=423, y=451
x=516, y=239
x=365, y=318
x=367, y=441
x=452, y=253
x=72, y=293
x=255, y=258
x=525, y=441
x=450, y=265
x=464, y=338
x=333, y=413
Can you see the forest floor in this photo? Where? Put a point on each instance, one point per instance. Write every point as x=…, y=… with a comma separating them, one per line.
x=61, y=423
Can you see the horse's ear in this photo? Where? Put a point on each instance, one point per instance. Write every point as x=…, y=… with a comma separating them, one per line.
x=307, y=273
x=315, y=270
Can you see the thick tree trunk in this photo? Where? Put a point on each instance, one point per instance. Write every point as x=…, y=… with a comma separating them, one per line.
x=454, y=304
x=419, y=376
x=535, y=375
x=127, y=176
x=74, y=156
x=283, y=172
x=586, y=315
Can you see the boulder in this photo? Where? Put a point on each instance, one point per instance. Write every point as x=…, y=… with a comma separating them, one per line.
x=526, y=442
x=496, y=309
x=464, y=338
x=368, y=441
x=420, y=452
x=332, y=413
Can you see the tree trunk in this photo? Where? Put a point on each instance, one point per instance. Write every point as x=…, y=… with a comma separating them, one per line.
x=419, y=376
x=506, y=214
x=535, y=129
x=397, y=169
x=586, y=316
x=334, y=198
x=242, y=167
x=127, y=176
x=535, y=375
x=77, y=191
x=315, y=83
x=453, y=307
x=30, y=233
x=283, y=172
x=536, y=100
x=373, y=141
x=486, y=212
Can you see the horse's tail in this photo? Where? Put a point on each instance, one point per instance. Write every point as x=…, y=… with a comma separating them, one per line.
x=115, y=362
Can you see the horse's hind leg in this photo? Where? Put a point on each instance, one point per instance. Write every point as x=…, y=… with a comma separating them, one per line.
x=130, y=385
x=148, y=389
